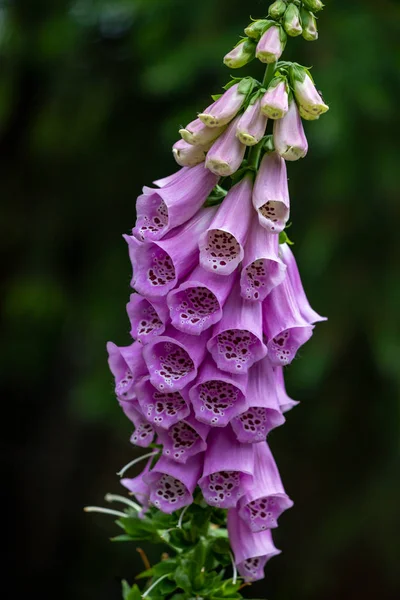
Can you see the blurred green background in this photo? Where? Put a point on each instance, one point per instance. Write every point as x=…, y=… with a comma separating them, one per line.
x=91, y=96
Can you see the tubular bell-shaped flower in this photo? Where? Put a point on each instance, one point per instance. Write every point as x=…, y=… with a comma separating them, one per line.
x=198, y=302
x=285, y=402
x=139, y=488
x=252, y=550
x=158, y=266
x=306, y=311
x=160, y=210
x=271, y=45
x=170, y=179
x=289, y=137
x=197, y=133
x=184, y=439
x=144, y=432
x=127, y=365
x=306, y=93
x=224, y=109
x=147, y=317
x=187, y=155
x=251, y=125
x=237, y=340
x=266, y=500
x=162, y=409
x=172, y=484
x=217, y=397
x=173, y=359
x=263, y=412
x=283, y=324
x=222, y=244
x=227, y=153
x=241, y=55
x=262, y=268
x=228, y=469
x=271, y=193
x=275, y=102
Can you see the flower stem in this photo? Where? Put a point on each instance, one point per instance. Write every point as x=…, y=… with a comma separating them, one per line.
x=268, y=75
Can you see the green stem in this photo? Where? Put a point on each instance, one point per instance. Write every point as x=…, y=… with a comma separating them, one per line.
x=269, y=73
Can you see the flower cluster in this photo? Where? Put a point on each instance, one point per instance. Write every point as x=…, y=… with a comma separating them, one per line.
x=218, y=308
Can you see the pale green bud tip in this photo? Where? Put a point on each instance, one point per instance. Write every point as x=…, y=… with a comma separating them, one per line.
x=277, y=9
x=246, y=138
x=256, y=29
x=291, y=21
x=219, y=167
x=241, y=55
x=313, y=5
x=309, y=22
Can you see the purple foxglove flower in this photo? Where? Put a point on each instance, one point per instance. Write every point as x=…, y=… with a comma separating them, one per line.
x=147, y=317
x=271, y=45
x=161, y=409
x=227, y=153
x=222, y=245
x=275, y=102
x=127, y=365
x=251, y=125
x=170, y=179
x=266, y=500
x=172, y=484
x=187, y=155
x=160, y=210
x=157, y=266
x=139, y=489
x=284, y=326
x=198, y=134
x=285, y=402
x=263, y=412
x=224, y=109
x=144, y=432
x=289, y=137
x=173, y=359
x=252, y=550
x=185, y=439
x=197, y=304
x=262, y=268
x=306, y=93
x=217, y=397
x=243, y=53
x=291, y=21
x=237, y=340
x=271, y=193
x=228, y=469
x=306, y=311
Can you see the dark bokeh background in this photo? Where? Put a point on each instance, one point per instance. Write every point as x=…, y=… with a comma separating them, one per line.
x=91, y=96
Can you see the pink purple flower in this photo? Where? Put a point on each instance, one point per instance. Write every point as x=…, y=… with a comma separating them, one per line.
x=271, y=193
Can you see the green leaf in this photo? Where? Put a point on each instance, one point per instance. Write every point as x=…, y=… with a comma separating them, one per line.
x=216, y=97
x=165, y=567
x=130, y=593
x=284, y=239
x=182, y=580
x=122, y=538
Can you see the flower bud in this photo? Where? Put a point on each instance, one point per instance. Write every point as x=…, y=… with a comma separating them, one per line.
x=227, y=153
x=289, y=137
x=252, y=125
x=271, y=45
x=241, y=55
x=305, y=91
x=187, y=155
x=309, y=22
x=257, y=28
x=291, y=21
x=275, y=102
x=198, y=134
x=313, y=5
x=277, y=9
x=225, y=108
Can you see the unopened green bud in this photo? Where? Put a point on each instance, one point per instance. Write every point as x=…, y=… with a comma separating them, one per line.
x=257, y=28
x=277, y=9
x=241, y=55
x=309, y=22
x=291, y=21
x=313, y=5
